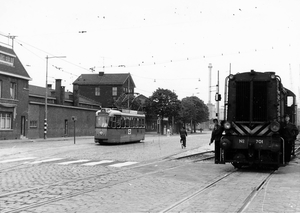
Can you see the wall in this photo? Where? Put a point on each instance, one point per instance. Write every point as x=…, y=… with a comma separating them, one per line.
x=57, y=116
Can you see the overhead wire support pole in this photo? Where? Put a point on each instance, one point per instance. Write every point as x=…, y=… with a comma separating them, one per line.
x=46, y=95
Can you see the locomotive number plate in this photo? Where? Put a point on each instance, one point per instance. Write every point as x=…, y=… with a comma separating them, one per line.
x=259, y=141
x=242, y=141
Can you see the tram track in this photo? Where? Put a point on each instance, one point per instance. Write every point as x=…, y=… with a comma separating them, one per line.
x=91, y=183
x=198, y=194
x=103, y=181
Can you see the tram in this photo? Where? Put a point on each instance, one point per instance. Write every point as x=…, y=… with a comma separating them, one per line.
x=254, y=108
x=119, y=126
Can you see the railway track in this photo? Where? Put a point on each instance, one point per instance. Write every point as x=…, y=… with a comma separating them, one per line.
x=187, y=203
x=66, y=189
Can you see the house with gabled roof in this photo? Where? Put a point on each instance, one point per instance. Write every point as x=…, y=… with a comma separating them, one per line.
x=105, y=88
x=13, y=95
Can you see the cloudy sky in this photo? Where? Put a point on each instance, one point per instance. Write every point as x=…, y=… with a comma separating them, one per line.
x=162, y=43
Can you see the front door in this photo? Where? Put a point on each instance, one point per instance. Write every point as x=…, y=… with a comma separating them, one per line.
x=23, y=126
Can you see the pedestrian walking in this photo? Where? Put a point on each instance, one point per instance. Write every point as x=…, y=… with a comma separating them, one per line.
x=216, y=136
x=289, y=133
x=183, y=135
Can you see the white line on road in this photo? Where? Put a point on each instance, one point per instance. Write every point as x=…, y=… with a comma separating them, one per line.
x=75, y=161
x=44, y=161
x=123, y=164
x=97, y=163
x=18, y=159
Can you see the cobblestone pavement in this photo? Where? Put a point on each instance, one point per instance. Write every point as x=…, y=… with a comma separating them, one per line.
x=155, y=187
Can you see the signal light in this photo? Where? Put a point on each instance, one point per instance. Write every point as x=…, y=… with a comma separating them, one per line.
x=218, y=97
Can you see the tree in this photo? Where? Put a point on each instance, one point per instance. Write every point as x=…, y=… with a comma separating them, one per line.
x=163, y=103
x=128, y=101
x=193, y=111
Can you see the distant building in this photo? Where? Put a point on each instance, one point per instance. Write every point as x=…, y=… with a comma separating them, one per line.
x=13, y=95
x=104, y=88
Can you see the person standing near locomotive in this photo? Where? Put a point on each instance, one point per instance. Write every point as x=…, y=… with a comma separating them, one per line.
x=289, y=133
x=216, y=136
x=183, y=135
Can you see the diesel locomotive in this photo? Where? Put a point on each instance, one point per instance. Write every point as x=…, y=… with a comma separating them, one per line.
x=254, y=107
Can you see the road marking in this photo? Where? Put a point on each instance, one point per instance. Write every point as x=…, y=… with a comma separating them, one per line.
x=18, y=159
x=44, y=161
x=71, y=162
x=97, y=163
x=122, y=164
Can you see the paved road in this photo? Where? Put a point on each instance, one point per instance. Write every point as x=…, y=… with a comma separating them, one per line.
x=143, y=181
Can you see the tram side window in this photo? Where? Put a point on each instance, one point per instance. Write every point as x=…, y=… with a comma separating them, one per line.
x=135, y=122
x=127, y=122
x=142, y=123
x=112, y=122
x=118, y=121
x=131, y=122
x=138, y=122
x=123, y=122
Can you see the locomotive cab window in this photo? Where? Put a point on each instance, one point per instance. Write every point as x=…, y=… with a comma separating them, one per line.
x=290, y=101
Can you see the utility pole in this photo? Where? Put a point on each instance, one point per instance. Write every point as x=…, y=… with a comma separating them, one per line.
x=209, y=83
x=46, y=95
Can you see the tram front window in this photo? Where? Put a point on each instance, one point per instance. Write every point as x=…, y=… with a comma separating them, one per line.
x=101, y=121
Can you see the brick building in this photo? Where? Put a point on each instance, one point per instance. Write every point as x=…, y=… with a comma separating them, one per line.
x=13, y=95
x=102, y=87
x=60, y=110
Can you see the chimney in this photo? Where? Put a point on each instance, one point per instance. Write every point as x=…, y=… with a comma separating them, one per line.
x=101, y=73
x=75, y=95
x=58, y=91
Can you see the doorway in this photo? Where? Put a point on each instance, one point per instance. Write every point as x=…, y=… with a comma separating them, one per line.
x=23, y=126
x=66, y=128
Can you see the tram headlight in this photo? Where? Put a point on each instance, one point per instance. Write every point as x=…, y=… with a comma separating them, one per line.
x=227, y=125
x=274, y=126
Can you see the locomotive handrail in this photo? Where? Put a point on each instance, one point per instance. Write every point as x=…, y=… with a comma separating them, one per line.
x=225, y=97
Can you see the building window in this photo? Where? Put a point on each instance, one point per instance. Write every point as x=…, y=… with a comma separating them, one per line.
x=9, y=60
x=5, y=120
x=114, y=91
x=97, y=91
x=33, y=124
x=0, y=89
x=13, y=90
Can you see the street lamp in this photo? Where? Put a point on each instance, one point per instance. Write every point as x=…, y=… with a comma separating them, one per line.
x=46, y=94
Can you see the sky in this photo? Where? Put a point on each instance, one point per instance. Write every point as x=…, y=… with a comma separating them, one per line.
x=166, y=44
